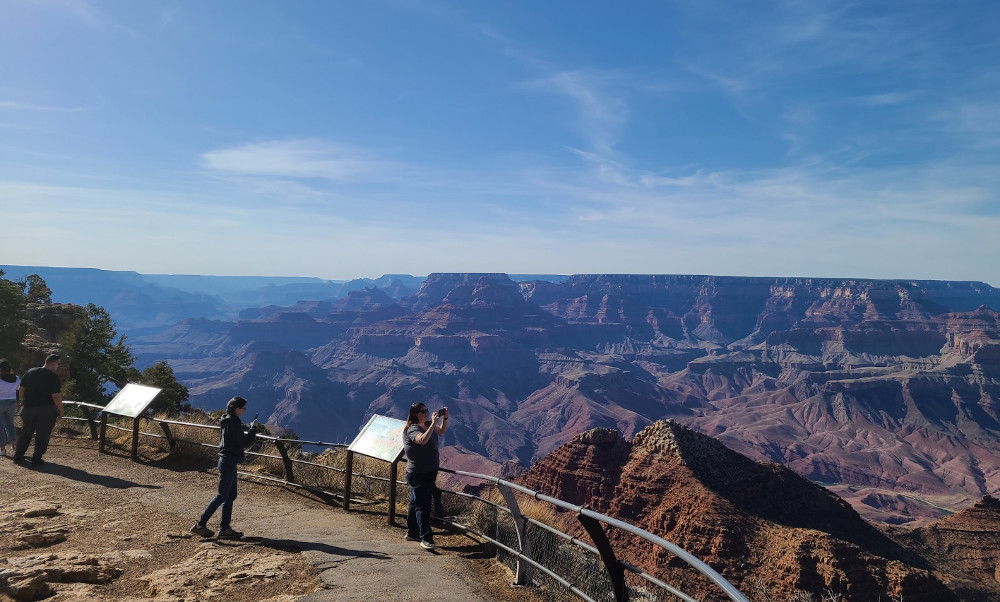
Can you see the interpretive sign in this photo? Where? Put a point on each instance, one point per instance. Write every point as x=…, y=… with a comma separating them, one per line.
x=132, y=400
x=381, y=438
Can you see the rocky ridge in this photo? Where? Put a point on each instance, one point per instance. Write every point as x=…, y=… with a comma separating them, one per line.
x=770, y=532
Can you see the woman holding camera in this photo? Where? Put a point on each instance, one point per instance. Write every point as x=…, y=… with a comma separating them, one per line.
x=420, y=442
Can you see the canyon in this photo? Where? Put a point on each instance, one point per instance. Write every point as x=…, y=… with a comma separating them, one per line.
x=887, y=392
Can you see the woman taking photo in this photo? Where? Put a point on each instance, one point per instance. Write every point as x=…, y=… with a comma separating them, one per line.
x=420, y=442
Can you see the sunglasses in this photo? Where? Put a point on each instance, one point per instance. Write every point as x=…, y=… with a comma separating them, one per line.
x=422, y=411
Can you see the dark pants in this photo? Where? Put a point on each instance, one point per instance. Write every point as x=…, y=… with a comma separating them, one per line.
x=225, y=496
x=37, y=421
x=418, y=515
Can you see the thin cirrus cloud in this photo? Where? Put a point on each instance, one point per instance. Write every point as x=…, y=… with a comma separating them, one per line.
x=16, y=105
x=601, y=114
x=309, y=158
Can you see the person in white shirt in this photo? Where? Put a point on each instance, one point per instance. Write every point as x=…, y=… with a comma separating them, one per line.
x=9, y=384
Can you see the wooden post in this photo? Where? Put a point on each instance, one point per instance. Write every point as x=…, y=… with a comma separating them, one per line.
x=393, y=475
x=348, y=472
x=90, y=421
x=166, y=431
x=103, y=433
x=285, y=460
x=135, y=439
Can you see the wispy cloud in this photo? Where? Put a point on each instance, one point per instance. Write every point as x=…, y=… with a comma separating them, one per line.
x=601, y=114
x=15, y=105
x=89, y=15
x=305, y=158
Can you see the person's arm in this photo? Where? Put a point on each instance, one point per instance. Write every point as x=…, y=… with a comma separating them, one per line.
x=20, y=398
x=443, y=425
x=425, y=436
x=57, y=399
x=250, y=435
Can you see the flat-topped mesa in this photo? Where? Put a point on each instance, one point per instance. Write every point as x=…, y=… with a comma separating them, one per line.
x=437, y=286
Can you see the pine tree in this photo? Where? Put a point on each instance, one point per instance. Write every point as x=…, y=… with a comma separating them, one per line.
x=98, y=356
x=174, y=395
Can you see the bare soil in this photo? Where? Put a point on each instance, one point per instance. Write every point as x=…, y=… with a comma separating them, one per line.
x=136, y=516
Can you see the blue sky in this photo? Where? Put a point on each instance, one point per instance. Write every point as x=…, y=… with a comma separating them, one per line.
x=344, y=139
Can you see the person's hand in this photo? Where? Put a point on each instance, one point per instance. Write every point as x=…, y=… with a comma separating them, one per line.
x=434, y=417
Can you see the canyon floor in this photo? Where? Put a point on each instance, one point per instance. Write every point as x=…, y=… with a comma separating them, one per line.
x=88, y=526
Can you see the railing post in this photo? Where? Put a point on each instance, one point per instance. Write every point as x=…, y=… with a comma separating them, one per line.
x=523, y=574
x=166, y=431
x=135, y=439
x=90, y=421
x=104, y=432
x=615, y=570
x=285, y=460
x=393, y=475
x=348, y=473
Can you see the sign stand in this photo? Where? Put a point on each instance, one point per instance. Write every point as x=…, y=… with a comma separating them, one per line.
x=381, y=438
x=131, y=401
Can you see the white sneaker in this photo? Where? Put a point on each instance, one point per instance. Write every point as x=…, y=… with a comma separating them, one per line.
x=427, y=545
x=411, y=538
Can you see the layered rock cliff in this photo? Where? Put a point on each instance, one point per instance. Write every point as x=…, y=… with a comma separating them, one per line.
x=878, y=387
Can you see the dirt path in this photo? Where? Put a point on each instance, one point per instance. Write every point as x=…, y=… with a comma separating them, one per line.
x=89, y=526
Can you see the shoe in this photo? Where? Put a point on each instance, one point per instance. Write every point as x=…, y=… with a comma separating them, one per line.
x=18, y=459
x=3, y=451
x=228, y=533
x=37, y=461
x=427, y=545
x=411, y=538
x=203, y=531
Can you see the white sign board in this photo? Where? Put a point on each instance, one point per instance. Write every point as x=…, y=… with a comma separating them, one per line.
x=381, y=438
x=132, y=400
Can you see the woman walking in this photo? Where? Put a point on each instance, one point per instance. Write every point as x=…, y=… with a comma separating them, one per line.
x=420, y=442
x=9, y=384
x=232, y=441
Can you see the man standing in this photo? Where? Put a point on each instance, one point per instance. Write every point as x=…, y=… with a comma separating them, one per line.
x=42, y=406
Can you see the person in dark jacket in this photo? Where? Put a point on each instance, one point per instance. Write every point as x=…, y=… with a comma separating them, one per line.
x=232, y=441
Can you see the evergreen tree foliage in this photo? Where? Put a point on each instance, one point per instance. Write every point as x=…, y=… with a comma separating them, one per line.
x=174, y=395
x=98, y=356
x=36, y=289
x=12, y=326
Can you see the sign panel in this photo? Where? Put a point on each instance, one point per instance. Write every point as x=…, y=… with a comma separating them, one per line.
x=381, y=438
x=132, y=400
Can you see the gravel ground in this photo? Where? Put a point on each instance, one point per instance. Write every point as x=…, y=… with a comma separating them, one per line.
x=135, y=516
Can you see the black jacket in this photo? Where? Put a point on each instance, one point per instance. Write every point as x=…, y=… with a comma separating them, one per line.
x=234, y=439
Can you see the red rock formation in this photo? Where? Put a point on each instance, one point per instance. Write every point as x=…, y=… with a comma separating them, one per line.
x=760, y=525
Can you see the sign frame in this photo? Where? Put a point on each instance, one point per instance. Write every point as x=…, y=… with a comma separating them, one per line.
x=381, y=437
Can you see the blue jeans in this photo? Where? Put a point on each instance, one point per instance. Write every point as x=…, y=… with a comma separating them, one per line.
x=225, y=496
x=7, y=409
x=418, y=515
x=37, y=421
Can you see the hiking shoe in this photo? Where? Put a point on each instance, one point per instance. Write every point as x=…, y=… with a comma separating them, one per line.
x=427, y=545
x=230, y=534
x=411, y=538
x=203, y=531
x=37, y=461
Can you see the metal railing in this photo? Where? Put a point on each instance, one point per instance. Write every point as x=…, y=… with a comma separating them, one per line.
x=523, y=534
